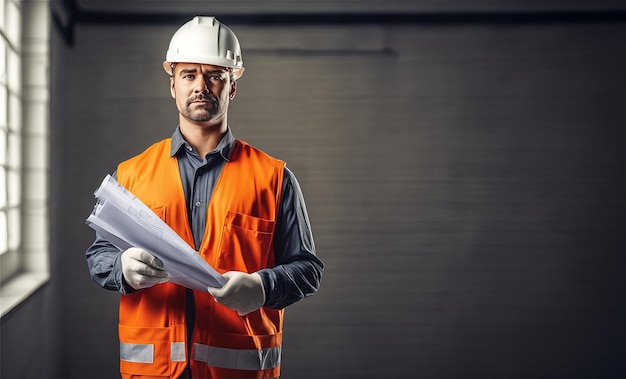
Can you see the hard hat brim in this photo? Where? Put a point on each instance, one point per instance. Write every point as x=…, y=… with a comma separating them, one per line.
x=237, y=71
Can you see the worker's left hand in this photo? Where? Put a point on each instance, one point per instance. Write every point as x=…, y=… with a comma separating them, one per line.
x=242, y=292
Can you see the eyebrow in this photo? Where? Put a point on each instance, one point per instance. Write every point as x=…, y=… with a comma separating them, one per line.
x=188, y=71
x=195, y=70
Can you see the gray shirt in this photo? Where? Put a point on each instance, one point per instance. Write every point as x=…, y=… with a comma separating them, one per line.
x=297, y=271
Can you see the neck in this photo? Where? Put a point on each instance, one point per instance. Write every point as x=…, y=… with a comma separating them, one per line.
x=203, y=138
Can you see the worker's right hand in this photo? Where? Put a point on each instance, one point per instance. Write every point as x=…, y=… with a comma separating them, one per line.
x=142, y=269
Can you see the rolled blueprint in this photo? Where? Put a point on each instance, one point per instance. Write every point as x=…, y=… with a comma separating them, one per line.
x=125, y=221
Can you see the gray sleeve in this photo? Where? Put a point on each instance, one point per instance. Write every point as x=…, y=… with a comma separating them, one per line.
x=105, y=266
x=298, y=271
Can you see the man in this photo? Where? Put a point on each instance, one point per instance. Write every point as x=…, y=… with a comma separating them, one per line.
x=241, y=209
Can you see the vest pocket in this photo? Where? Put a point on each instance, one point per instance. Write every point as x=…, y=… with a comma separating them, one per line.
x=149, y=351
x=246, y=242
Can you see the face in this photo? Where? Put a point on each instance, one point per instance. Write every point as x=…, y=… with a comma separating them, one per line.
x=202, y=92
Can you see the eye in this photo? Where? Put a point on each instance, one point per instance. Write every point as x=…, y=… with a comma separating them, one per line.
x=189, y=77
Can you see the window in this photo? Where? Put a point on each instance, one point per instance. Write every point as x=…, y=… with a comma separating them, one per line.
x=10, y=155
x=24, y=61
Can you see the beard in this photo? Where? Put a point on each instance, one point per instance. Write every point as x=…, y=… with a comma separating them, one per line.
x=201, y=112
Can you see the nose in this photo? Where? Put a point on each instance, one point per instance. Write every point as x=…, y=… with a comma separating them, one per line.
x=201, y=85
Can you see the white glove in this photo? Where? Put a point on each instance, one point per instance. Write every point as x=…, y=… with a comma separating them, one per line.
x=142, y=269
x=242, y=292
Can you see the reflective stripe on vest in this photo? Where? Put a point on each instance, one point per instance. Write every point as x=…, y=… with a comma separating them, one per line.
x=237, y=359
x=144, y=352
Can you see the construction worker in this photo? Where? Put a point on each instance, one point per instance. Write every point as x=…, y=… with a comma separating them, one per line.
x=241, y=209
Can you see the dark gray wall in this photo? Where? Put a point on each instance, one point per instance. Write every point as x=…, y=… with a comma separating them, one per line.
x=31, y=338
x=465, y=185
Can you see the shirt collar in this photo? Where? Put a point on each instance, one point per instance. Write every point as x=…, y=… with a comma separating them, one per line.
x=223, y=148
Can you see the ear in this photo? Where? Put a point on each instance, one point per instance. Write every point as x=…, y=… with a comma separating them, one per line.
x=172, y=87
x=233, y=89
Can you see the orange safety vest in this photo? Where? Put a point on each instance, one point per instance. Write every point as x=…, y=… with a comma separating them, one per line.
x=241, y=217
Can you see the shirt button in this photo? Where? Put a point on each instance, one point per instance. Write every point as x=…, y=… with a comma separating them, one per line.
x=198, y=204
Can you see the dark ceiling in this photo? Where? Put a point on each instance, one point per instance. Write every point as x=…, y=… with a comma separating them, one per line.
x=67, y=13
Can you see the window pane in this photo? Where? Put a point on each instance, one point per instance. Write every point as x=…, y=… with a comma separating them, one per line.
x=13, y=227
x=3, y=187
x=4, y=238
x=3, y=61
x=14, y=72
x=15, y=113
x=2, y=5
x=13, y=20
x=4, y=117
x=15, y=151
x=3, y=147
x=14, y=188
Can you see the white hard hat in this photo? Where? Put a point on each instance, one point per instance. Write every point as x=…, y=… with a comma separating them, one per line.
x=205, y=40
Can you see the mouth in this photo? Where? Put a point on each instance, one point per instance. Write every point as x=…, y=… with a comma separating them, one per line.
x=202, y=100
